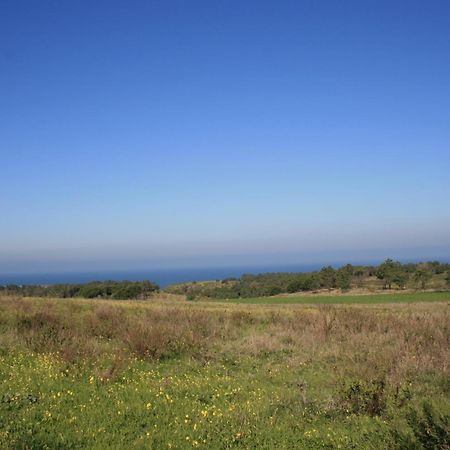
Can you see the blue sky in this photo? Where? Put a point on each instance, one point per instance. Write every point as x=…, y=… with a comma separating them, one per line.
x=172, y=133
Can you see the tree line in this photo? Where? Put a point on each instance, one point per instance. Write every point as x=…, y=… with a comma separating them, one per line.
x=388, y=275
x=122, y=290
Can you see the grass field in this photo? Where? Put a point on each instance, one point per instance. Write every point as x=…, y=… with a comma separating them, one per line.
x=369, y=299
x=155, y=375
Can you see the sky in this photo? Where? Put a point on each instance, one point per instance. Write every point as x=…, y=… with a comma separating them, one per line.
x=186, y=133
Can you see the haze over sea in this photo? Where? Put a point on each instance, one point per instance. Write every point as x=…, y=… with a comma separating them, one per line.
x=167, y=276
x=163, y=277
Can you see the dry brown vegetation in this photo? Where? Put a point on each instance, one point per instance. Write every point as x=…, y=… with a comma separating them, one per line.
x=392, y=342
x=328, y=364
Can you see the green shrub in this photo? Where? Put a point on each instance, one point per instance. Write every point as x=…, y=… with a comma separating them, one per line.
x=364, y=397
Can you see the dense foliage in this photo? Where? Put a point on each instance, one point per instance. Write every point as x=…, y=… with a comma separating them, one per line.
x=95, y=289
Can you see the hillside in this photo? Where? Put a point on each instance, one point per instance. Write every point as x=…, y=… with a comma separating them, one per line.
x=387, y=277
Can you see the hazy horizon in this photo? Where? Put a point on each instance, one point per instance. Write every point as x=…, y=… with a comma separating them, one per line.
x=207, y=134
x=271, y=262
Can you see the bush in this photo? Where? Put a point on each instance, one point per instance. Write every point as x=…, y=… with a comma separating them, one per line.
x=361, y=397
x=43, y=331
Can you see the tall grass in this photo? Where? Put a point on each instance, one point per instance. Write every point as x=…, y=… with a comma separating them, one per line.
x=300, y=368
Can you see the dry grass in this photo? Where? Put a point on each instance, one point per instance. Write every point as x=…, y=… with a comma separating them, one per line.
x=392, y=342
x=321, y=363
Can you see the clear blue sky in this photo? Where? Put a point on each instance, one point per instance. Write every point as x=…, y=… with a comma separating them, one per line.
x=182, y=133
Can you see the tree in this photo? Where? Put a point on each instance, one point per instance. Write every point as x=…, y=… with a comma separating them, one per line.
x=327, y=277
x=422, y=277
x=359, y=274
x=147, y=287
x=400, y=279
x=343, y=280
x=310, y=283
x=90, y=291
x=437, y=267
x=447, y=278
x=127, y=291
x=295, y=286
x=344, y=277
x=391, y=272
x=274, y=290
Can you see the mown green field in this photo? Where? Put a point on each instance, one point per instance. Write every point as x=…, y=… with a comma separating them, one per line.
x=179, y=375
x=415, y=297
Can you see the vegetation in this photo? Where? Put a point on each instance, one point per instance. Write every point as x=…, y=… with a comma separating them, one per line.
x=388, y=275
x=174, y=374
x=96, y=289
x=371, y=299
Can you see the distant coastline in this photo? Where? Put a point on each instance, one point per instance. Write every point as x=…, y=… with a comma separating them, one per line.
x=163, y=277
x=166, y=277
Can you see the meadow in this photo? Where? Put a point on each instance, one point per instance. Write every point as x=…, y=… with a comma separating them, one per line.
x=169, y=373
x=337, y=299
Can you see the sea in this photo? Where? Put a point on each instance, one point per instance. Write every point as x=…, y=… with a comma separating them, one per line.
x=163, y=277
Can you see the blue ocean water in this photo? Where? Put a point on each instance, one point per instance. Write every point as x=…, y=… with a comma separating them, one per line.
x=163, y=277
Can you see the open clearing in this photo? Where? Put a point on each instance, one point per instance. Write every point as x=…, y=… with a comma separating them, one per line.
x=115, y=374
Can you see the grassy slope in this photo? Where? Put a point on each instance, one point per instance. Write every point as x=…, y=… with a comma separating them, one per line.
x=350, y=299
x=105, y=374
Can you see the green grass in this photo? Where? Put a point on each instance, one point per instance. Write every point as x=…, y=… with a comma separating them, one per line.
x=176, y=404
x=349, y=299
x=78, y=374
